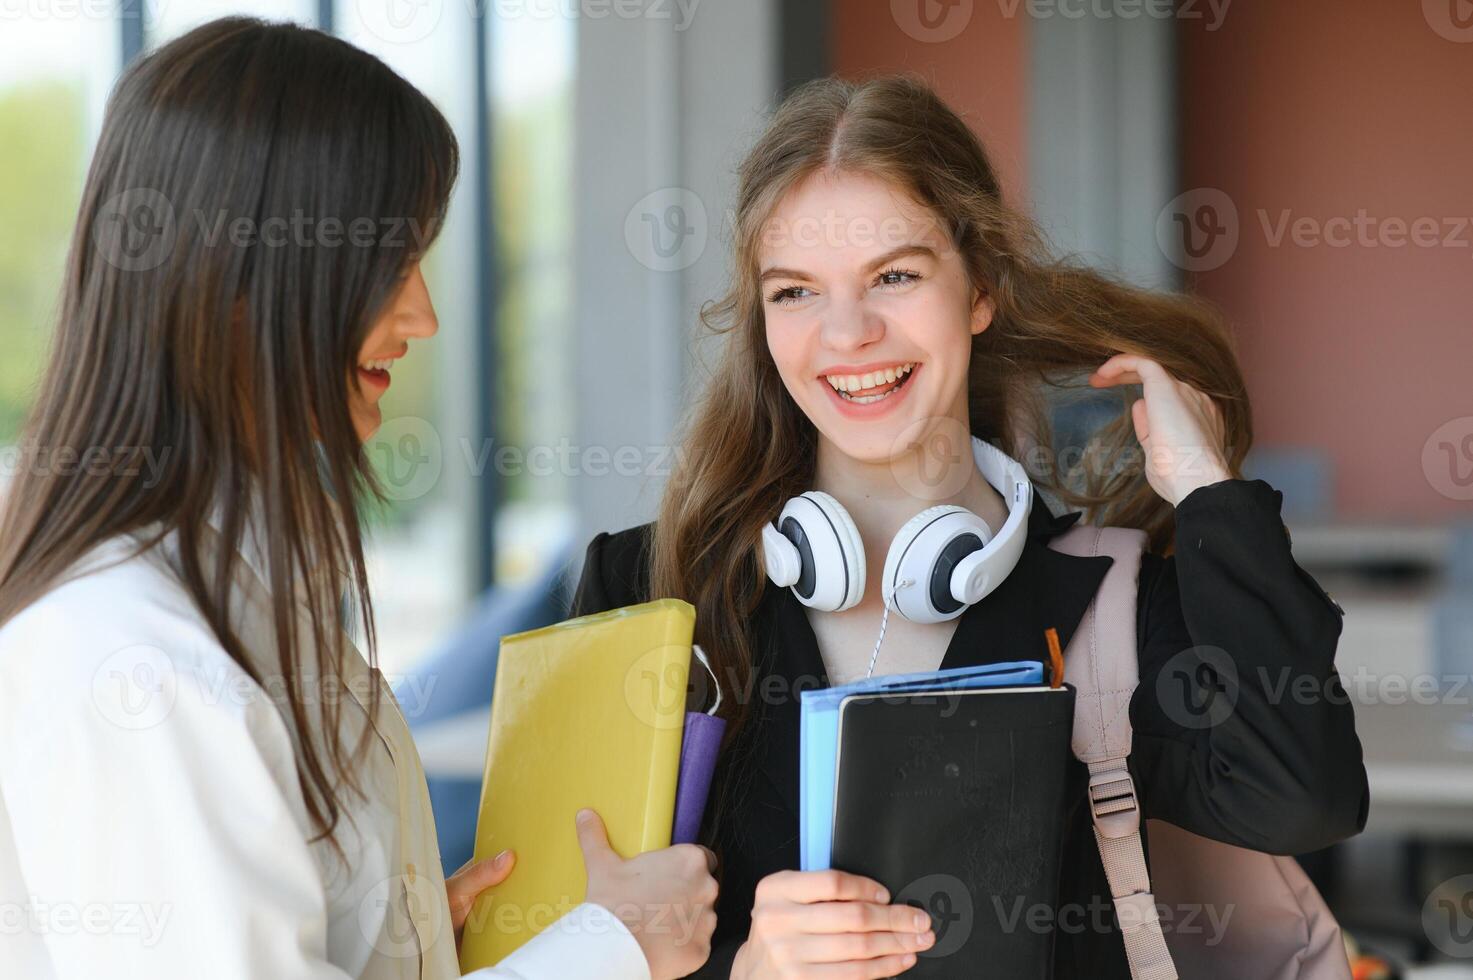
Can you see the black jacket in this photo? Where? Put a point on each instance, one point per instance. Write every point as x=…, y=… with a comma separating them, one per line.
x=1282, y=772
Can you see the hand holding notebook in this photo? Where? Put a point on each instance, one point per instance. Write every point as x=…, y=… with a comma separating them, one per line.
x=948, y=789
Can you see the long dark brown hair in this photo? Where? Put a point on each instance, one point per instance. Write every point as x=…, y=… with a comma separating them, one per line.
x=748, y=447
x=257, y=192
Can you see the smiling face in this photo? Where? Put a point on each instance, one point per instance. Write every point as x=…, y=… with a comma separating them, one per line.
x=869, y=314
x=408, y=313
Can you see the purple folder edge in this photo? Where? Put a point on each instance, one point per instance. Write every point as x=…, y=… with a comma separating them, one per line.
x=698, y=749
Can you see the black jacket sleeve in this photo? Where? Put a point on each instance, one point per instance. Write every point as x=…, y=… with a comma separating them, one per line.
x=1243, y=732
x=615, y=572
x=592, y=595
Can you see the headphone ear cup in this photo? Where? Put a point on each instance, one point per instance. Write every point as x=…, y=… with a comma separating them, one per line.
x=831, y=554
x=924, y=553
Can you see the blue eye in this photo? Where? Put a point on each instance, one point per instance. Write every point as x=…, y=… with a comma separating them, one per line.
x=789, y=294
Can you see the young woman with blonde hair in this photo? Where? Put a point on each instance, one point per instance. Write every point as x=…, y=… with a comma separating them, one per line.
x=886, y=306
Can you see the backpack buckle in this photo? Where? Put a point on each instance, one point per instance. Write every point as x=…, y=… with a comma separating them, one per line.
x=1112, y=803
x=1136, y=911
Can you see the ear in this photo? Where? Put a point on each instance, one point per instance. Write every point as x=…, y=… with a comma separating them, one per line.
x=983, y=310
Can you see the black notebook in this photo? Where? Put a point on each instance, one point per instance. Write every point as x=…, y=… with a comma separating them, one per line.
x=954, y=801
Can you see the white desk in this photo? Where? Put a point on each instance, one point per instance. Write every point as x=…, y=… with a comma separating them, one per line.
x=1419, y=761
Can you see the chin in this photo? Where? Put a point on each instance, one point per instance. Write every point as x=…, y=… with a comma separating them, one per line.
x=872, y=442
x=884, y=440
x=367, y=420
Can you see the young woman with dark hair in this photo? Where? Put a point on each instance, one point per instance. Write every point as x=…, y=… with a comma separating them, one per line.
x=199, y=769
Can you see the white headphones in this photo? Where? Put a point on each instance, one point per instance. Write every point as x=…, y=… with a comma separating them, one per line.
x=943, y=560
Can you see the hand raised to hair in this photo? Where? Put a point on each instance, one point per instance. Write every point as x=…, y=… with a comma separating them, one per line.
x=1179, y=428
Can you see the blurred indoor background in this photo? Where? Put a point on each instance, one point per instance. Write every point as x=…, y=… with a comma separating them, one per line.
x=1308, y=166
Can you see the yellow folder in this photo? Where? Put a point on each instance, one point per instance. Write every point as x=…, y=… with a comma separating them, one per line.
x=586, y=713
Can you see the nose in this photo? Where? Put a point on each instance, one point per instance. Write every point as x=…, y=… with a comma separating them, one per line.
x=849, y=326
x=420, y=323
x=416, y=315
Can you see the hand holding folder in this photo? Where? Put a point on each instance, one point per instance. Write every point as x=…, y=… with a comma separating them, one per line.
x=948, y=789
x=586, y=714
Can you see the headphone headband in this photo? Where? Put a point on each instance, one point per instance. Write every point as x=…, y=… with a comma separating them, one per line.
x=1008, y=478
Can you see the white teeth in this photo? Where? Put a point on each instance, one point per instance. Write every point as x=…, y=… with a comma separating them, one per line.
x=847, y=383
x=382, y=364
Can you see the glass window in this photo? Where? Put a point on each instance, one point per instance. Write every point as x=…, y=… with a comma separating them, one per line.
x=421, y=547
x=532, y=65
x=424, y=547
x=55, y=72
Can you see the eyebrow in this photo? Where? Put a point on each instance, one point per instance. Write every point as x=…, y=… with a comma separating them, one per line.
x=904, y=251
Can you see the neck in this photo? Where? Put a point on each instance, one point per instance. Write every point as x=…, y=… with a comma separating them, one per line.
x=882, y=496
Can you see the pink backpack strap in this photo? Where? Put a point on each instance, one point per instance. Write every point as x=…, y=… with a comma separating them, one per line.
x=1100, y=663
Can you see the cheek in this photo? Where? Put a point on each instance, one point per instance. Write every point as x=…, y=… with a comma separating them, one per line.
x=943, y=329
x=786, y=346
x=379, y=334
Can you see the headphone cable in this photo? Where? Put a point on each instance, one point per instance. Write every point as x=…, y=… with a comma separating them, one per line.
x=884, y=621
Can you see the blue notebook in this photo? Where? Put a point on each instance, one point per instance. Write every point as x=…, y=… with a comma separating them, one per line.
x=818, y=762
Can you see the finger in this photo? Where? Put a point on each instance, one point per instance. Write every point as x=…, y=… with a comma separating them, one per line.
x=710, y=859
x=1122, y=363
x=1112, y=367
x=477, y=876
x=1141, y=418
x=839, y=917
x=1114, y=372
x=1115, y=381
x=1129, y=369
x=843, y=947
x=825, y=886
x=593, y=839
x=885, y=966
x=471, y=880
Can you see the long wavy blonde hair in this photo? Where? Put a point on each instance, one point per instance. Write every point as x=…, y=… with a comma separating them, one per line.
x=748, y=447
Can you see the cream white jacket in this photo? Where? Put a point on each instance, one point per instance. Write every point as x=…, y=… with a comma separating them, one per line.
x=151, y=820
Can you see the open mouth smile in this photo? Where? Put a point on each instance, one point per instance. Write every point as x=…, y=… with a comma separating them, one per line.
x=375, y=372
x=873, y=386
